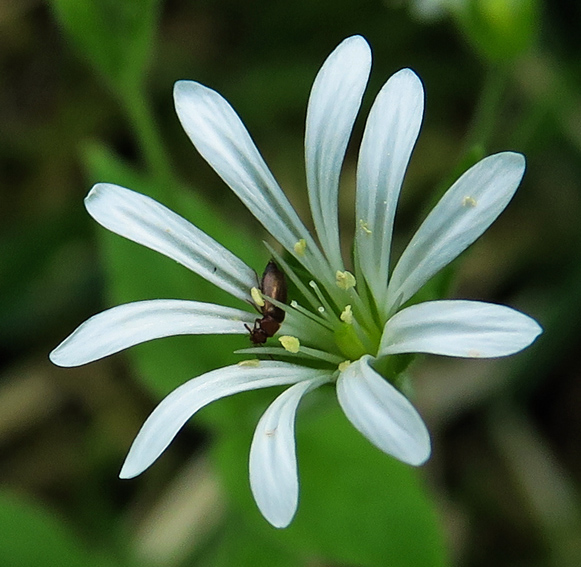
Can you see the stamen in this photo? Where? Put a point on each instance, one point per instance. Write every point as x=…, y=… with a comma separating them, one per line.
x=345, y=280
x=291, y=344
x=311, y=315
x=327, y=310
x=344, y=365
x=300, y=247
x=347, y=315
x=304, y=352
x=293, y=277
x=257, y=297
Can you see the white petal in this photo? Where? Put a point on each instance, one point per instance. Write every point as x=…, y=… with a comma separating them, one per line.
x=145, y=221
x=219, y=135
x=133, y=323
x=382, y=413
x=333, y=105
x=470, y=329
x=467, y=209
x=273, y=465
x=174, y=411
x=390, y=135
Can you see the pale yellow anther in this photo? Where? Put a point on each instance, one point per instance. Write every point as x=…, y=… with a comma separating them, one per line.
x=345, y=280
x=470, y=202
x=257, y=297
x=250, y=362
x=291, y=344
x=344, y=365
x=364, y=225
x=300, y=247
x=347, y=315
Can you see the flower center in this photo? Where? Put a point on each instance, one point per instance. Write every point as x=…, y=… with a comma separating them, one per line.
x=348, y=342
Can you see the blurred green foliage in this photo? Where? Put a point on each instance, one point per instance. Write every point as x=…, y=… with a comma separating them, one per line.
x=500, y=30
x=86, y=97
x=369, y=510
x=117, y=38
x=29, y=535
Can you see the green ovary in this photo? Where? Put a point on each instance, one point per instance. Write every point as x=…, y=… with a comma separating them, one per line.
x=348, y=342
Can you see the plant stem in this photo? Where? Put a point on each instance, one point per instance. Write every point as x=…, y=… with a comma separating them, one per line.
x=156, y=159
x=487, y=109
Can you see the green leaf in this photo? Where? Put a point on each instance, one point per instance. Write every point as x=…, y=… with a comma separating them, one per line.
x=500, y=30
x=135, y=273
x=31, y=535
x=243, y=547
x=115, y=36
x=357, y=505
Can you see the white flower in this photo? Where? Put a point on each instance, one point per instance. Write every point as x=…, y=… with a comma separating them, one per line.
x=346, y=325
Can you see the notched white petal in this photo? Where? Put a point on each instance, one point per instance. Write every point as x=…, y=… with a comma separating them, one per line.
x=390, y=134
x=382, y=413
x=333, y=105
x=223, y=141
x=470, y=329
x=174, y=411
x=147, y=222
x=467, y=209
x=273, y=466
x=126, y=325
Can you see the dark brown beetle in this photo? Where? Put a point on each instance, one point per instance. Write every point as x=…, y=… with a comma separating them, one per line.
x=273, y=284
